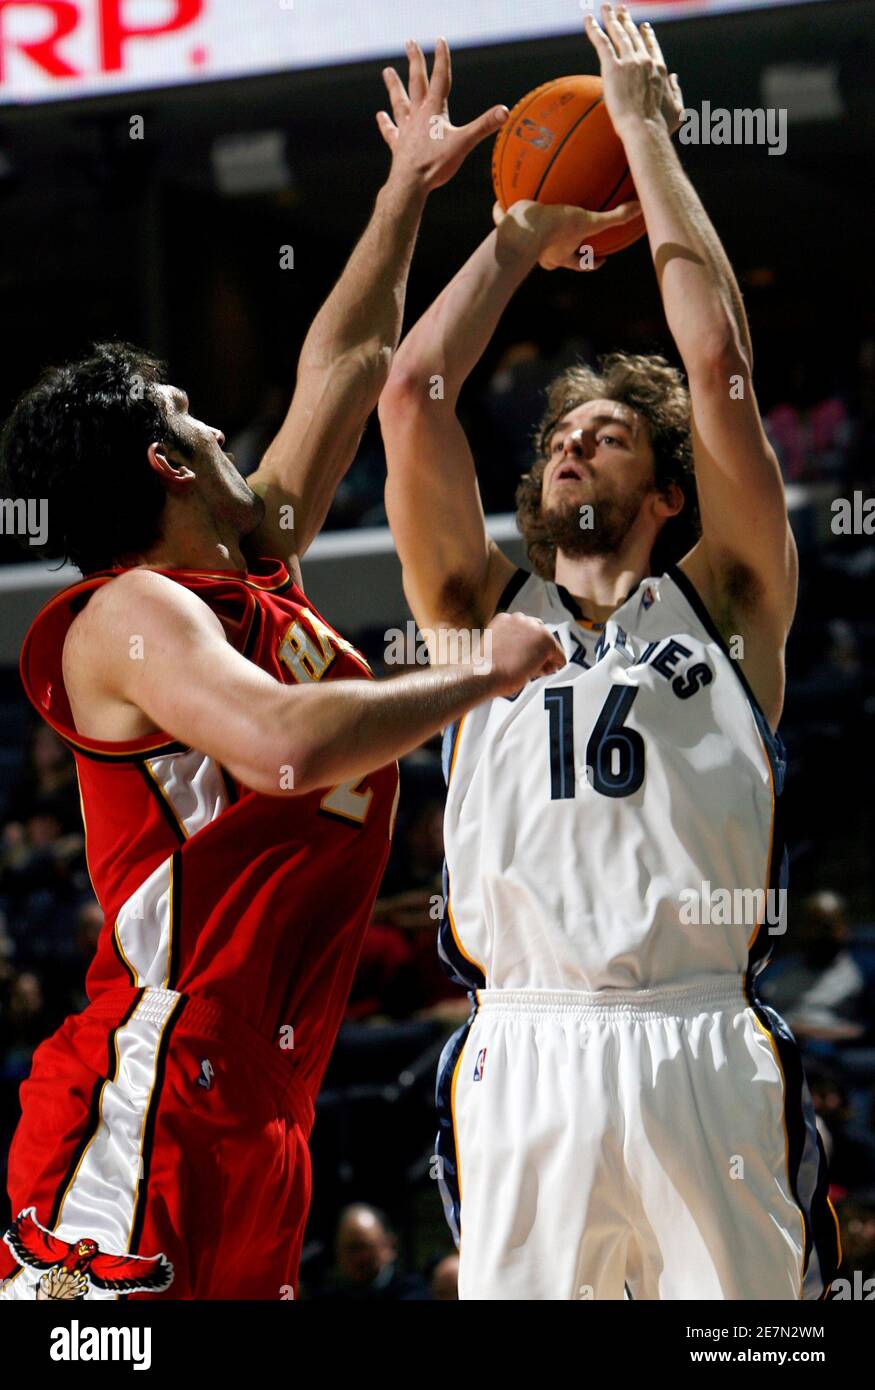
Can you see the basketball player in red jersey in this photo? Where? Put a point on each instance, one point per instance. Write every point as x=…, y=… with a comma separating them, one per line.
x=236, y=764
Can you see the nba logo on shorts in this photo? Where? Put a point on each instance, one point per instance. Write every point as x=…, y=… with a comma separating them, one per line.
x=480, y=1064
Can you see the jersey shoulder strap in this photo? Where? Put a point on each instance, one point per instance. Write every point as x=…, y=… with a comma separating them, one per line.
x=529, y=593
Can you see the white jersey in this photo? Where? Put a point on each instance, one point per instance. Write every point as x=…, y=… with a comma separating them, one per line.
x=612, y=826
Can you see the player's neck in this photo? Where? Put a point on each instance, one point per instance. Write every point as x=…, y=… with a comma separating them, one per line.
x=184, y=546
x=600, y=583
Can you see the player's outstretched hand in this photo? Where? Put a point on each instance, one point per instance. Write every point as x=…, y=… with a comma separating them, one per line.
x=557, y=233
x=426, y=147
x=522, y=649
x=637, y=82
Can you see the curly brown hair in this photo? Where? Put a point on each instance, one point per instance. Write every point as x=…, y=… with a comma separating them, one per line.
x=649, y=385
x=78, y=438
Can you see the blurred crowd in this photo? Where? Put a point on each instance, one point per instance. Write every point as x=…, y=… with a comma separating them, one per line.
x=376, y=1229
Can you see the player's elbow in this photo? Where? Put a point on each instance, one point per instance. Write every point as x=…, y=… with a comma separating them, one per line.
x=357, y=372
x=408, y=390
x=273, y=761
x=372, y=361
x=721, y=356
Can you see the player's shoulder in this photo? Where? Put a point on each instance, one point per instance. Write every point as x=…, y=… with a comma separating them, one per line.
x=520, y=584
x=133, y=601
x=537, y=597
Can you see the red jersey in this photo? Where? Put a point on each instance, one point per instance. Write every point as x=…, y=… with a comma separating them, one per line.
x=258, y=903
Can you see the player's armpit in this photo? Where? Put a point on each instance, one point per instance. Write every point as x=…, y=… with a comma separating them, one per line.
x=753, y=629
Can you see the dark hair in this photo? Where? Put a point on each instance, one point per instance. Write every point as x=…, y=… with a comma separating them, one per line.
x=77, y=440
x=656, y=390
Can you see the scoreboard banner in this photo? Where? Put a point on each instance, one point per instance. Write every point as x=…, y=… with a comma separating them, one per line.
x=52, y=49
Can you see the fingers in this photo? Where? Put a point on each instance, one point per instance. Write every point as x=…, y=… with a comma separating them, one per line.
x=651, y=43
x=573, y=263
x=596, y=37
x=579, y=263
x=498, y=213
x=417, y=75
x=388, y=129
x=484, y=126
x=615, y=217
x=397, y=95
x=635, y=40
x=441, y=73
x=555, y=661
x=620, y=41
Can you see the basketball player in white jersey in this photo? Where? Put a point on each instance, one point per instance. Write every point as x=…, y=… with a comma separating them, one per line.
x=621, y=1112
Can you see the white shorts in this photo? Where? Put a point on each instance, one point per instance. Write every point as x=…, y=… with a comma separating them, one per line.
x=660, y=1141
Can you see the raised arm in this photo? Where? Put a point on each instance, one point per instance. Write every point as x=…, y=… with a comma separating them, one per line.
x=348, y=351
x=260, y=729
x=453, y=573
x=745, y=564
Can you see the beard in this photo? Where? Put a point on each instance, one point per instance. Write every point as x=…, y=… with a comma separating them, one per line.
x=612, y=520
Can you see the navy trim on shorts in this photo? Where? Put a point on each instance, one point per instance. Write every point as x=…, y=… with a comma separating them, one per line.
x=445, y=1143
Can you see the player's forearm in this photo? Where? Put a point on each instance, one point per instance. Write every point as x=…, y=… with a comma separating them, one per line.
x=346, y=729
x=453, y=334
x=702, y=300
x=364, y=312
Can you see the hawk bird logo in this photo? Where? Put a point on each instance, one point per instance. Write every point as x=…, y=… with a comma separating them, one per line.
x=74, y=1266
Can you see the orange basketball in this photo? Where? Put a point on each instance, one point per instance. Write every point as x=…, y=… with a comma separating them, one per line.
x=559, y=146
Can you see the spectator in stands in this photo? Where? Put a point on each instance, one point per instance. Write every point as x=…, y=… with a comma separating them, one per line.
x=89, y=921
x=444, y=1279
x=23, y=1025
x=42, y=873
x=399, y=974
x=48, y=786
x=88, y=924
x=856, y=1215
x=809, y=428
x=850, y=1148
x=366, y=1261
x=823, y=990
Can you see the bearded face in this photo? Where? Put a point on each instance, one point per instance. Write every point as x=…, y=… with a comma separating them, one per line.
x=596, y=527
x=597, y=477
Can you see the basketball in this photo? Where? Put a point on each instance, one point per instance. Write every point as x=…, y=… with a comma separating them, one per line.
x=559, y=146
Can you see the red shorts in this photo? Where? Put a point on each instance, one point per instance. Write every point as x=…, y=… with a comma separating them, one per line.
x=162, y=1153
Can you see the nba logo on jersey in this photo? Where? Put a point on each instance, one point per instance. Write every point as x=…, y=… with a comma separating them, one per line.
x=647, y=598
x=480, y=1064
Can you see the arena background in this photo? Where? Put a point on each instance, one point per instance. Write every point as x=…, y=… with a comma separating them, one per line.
x=258, y=132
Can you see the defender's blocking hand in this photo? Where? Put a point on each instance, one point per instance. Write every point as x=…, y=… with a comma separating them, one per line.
x=427, y=149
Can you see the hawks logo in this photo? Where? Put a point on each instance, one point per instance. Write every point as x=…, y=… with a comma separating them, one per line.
x=72, y=1267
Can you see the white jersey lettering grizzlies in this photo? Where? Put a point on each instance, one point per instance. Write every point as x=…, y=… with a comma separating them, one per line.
x=601, y=824
x=621, y=1112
